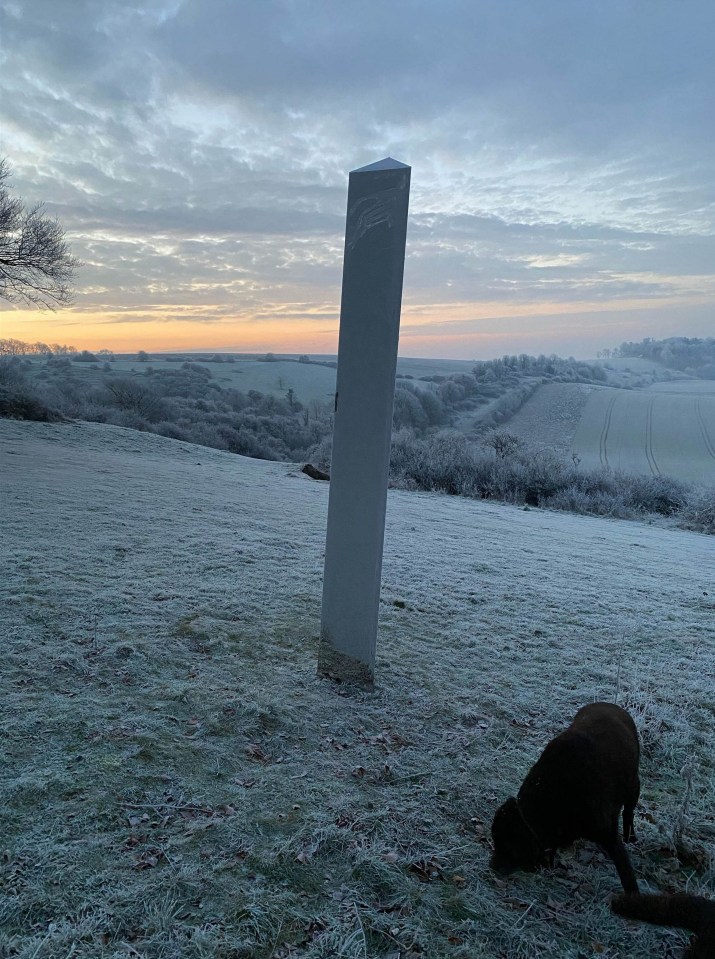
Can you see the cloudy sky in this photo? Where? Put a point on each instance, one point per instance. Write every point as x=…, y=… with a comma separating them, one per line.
x=197, y=152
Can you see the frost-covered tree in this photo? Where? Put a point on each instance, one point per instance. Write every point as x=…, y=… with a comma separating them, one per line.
x=502, y=442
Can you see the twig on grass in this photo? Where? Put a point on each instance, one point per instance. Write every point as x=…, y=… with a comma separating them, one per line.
x=405, y=779
x=618, y=670
x=36, y=953
x=362, y=928
x=523, y=916
x=679, y=825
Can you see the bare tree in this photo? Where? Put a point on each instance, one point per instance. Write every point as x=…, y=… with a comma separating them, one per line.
x=133, y=395
x=36, y=266
x=502, y=442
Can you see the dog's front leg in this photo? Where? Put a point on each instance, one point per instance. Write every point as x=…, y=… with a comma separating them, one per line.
x=618, y=853
x=629, y=834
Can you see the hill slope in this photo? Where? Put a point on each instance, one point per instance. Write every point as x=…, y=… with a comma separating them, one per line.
x=177, y=782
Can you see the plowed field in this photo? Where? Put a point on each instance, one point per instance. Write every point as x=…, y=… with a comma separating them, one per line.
x=652, y=432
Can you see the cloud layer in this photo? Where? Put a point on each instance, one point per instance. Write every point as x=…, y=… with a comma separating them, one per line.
x=197, y=153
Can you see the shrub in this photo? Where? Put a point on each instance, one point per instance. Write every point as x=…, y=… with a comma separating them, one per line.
x=196, y=368
x=59, y=363
x=248, y=444
x=699, y=512
x=129, y=419
x=443, y=462
x=433, y=407
x=12, y=372
x=656, y=494
x=20, y=405
x=134, y=396
x=502, y=442
x=408, y=411
x=597, y=502
x=166, y=428
x=321, y=454
x=450, y=393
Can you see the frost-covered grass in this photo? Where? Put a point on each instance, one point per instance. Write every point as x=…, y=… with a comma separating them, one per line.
x=177, y=782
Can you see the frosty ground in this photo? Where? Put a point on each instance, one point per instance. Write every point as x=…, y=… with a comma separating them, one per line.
x=177, y=782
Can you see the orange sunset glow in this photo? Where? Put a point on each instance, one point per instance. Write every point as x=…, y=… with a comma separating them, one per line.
x=455, y=330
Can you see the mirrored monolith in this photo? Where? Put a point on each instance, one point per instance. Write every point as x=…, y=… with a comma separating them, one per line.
x=373, y=268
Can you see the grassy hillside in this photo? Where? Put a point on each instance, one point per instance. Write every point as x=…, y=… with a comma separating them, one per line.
x=176, y=782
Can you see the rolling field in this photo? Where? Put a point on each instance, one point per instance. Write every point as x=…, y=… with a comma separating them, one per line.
x=309, y=381
x=652, y=432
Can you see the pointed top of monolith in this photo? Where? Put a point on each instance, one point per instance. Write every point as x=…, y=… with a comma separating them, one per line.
x=387, y=164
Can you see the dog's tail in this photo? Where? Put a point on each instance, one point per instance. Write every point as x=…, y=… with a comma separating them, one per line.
x=679, y=910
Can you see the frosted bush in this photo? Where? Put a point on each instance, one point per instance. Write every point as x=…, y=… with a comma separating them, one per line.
x=12, y=372
x=444, y=463
x=572, y=499
x=19, y=405
x=207, y=435
x=321, y=454
x=598, y=502
x=699, y=512
x=172, y=430
x=127, y=418
x=656, y=494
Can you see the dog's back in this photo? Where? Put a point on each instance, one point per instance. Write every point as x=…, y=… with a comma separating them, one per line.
x=586, y=775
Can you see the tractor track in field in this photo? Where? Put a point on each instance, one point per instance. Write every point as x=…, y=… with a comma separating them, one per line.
x=649, y=440
x=603, y=452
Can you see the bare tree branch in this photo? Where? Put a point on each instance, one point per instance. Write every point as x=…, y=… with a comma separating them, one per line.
x=36, y=266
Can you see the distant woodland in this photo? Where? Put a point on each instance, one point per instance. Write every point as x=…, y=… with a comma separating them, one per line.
x=693, y=356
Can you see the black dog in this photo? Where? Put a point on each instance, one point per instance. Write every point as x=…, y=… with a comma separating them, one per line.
x=682, y=911
x=577, y=788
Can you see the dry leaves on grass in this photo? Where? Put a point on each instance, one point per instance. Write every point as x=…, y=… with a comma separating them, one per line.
x=427, y=870
x=257, y=752
x=388, y=740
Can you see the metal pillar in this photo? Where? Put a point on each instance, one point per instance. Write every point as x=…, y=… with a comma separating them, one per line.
x=373, y=267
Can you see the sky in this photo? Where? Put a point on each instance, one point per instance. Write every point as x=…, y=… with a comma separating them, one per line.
x=197, y=153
